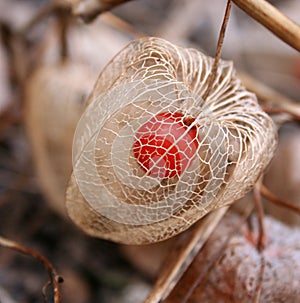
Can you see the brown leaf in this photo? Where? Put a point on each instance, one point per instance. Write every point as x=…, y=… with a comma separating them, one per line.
x=236, y=273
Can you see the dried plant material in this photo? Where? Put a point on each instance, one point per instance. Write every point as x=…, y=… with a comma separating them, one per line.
x=92, y=45
x=273, y=19
x=88, y=10
x=5, y=96
x=55, y=279
x=270, y=98
x=237, y=272
x=131, y=188
x=51, y=119
x=274, y=199
x=283, y=175
x=261, y=10
x=183, y=254
x=55, y=96
x=122, y=25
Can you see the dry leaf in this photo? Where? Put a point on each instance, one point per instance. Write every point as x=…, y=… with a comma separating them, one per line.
x=235, y=272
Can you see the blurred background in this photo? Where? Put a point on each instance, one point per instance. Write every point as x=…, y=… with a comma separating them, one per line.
x=41, y=100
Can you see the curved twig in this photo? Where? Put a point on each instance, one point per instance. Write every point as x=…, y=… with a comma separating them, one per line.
x=55, y=279
x=271, y=197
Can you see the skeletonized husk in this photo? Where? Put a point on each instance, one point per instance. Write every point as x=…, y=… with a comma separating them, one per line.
x=109, y=197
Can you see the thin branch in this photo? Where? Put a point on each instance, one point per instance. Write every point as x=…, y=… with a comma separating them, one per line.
x=271, y=101
x=272, y=110
x=273, y=198
x=260, y=278
x=213, y=73
x=15, y=47
x=260, y=215
x=55, y=279
x=17, y=39
x=6, y=35
x=88, y=10
x=270, y=17
x=270, y=96
x=63, y=24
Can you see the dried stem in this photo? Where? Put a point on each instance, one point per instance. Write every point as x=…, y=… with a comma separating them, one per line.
x=63, y=23
x=271, y=110
x=6, y=40
x=201, y=279
x=17, y=41
x=213, y=74
x=273, y=198
x=122, y=25
x=55, y=279
x=270, y=96
x=88, y=10
x=184, y=256
x=260, y=215
x=270, y=17
x=15, y=47
x=216, y=257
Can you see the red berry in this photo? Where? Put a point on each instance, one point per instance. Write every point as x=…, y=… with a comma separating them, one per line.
x=165, y=145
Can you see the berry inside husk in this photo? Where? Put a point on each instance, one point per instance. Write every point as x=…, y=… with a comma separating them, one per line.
x=165, y=145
